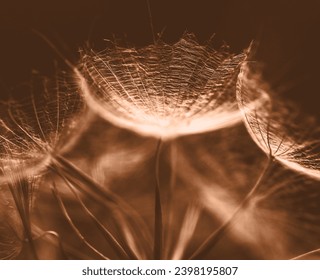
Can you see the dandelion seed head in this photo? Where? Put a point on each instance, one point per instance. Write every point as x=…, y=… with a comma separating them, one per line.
x=163, y=90
x=38, y=122
x=275, y=127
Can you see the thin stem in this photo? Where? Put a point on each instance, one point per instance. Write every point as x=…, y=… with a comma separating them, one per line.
x=31, y=242
x=169, y=217
x=22, y=208
x=68, y=249
x=95, y=190
x=56, y=235
x=157, y=248
x=115, y=211
x=71, y=223
x=106, y=233
x=99, y=194
x=316, y=251
x=213, y=239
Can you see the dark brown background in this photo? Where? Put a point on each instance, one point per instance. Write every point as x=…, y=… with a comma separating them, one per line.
x=288, y=35
x=288, y=32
